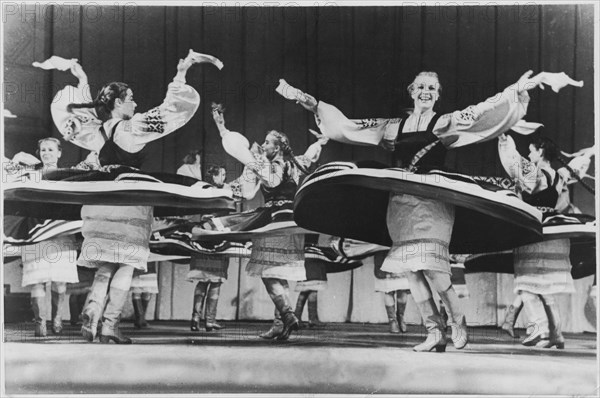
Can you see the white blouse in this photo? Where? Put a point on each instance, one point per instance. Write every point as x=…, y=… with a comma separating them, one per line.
x=81, y=126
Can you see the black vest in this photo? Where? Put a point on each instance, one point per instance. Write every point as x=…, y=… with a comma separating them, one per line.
x=546, y=198
x=112, y=154
x=419, y=151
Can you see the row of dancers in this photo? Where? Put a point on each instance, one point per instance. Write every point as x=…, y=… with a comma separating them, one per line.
x=110, y=127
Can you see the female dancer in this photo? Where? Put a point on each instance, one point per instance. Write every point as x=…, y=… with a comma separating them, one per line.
x=541, y=269
x=209, y=272
x=421, y=228
x=192, y=165
x=274, y=170
x=116, y=237
x=52, y=261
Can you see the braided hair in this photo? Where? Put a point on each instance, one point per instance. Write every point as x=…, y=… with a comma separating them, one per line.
x=548, y=146
x=286, y=149
x=211, y=172
x=551, y=153
x=104, y=103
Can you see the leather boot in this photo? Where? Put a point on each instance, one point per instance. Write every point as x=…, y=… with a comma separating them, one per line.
x=436, y=330
x=139, y=313
x=313, y=313
x=400, y=308
x=290, y=322
x=145, y=303
x=556, y=337
x=302, y=297
x=57, y=303
x=93, y=309
x=197, y=312
x=538, y=323
x=391, y=313
x=276, y=327
x=74, y=309
x=111, y=317
x=212, y=299
x=37, y=305
x=274, y=331
x=511, y=318
x=457, y=320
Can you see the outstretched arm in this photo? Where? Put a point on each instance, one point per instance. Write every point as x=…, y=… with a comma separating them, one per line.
x=497, y=114
x=335, y=125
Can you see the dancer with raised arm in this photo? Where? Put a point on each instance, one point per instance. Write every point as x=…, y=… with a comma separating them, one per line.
x=275, y=170
x=542, y=269
x=420, y=223
x=116, y=238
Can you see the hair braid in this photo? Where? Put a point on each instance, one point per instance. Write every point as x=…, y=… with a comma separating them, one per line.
x=574, y=174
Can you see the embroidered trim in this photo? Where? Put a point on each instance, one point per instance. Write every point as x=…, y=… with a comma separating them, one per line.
x=278, y=203
x=419, y=155
x=154, y=121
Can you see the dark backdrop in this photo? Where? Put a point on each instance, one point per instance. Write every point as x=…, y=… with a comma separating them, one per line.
x=358, y=58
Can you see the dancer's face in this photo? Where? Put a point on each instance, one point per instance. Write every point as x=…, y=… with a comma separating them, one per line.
x=535, y=154
x=219, y=179
x=425, y=92
x=126, y=106
x=271, y=146
x=49, y=153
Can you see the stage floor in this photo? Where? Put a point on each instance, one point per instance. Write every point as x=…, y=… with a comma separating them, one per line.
x=339, y=358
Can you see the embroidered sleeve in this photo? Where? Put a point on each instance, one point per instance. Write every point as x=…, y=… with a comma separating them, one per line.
x=80, y=126
x=179, y=106
x=370, y=131
x=484, y=121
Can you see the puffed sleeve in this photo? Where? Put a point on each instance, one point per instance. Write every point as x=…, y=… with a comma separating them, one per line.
x=312, y=154
x=484, y=121
x=245, y=186
x=80, y=126
x=178, y=107
x=521, y=170
x=336, y=126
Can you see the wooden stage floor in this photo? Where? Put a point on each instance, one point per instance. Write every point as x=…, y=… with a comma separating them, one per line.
x=339, y=358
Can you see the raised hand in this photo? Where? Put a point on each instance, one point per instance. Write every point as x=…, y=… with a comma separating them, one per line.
x=217, y=112
x=586, y=152
x=526, y=82
x=184, y=64
x=556, y=81
x=78, y=72
x=321, y=139
x=26, y=159
x=199, y=58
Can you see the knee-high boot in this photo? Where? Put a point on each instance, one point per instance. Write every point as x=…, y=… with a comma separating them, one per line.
x=556, y=336
x=400, y=308
x=212, y=299
x=93, y=309
x=276, y=327
x=538, y=322
x=512, y=313
x=37, y=305
x=458, y=322
x=302, y=298
x=57, y=303
x=112, y=316
x=74, y=309
x=391, y=313
x=436, y=330
x=197, y=312
x=145, y=303
x=139, y=313
x=313, y=313
x=290, y=322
